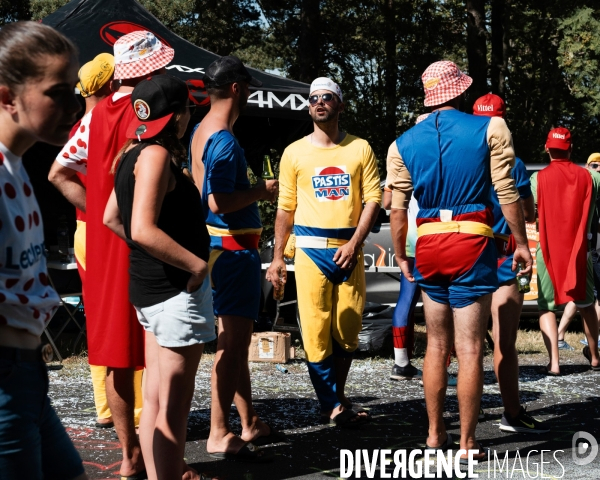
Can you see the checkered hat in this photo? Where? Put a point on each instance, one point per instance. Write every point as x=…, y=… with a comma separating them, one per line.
x=422, y=117
x=442, y=82
x=140, y=53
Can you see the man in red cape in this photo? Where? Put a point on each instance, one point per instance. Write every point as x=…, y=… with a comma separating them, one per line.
x=566, y=197
x=115, y=337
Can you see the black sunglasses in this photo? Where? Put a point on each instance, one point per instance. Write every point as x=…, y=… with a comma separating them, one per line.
x=192, y=108
x=594, y=165
x=327, y=98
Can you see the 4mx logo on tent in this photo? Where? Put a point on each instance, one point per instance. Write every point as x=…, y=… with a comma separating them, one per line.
x=331, y=183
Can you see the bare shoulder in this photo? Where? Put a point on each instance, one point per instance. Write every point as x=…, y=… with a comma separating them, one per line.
x=153, y=157
x=155, y=152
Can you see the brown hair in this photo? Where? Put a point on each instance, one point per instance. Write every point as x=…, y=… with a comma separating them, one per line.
x=167, y=138
x=219, y=92
x=22, y=44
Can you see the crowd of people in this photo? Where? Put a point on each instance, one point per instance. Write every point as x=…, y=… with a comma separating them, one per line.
x=162, y=253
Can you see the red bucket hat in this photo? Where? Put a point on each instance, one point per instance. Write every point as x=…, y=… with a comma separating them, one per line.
x=442, y=82
x=489, y=105
x=559, y=138
x=140, y=53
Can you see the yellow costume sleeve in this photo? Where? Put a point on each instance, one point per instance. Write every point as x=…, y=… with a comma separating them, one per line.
x=370, y=177
x=288, y=199
x=398, y=179
x=502, y=159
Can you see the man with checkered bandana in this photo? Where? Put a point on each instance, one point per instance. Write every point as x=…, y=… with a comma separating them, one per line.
x=450, y=161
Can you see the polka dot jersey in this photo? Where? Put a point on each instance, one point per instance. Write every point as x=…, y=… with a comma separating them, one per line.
x=27, y=301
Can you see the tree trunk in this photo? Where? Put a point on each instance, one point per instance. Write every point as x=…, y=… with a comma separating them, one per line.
x=499, y=47
x=309, y=56
x=390, y=69
x=476, y=49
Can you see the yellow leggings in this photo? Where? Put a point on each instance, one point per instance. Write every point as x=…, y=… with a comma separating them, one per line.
x=99, y=384
x=328, y=310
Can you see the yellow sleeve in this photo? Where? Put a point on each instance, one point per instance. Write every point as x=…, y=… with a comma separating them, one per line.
x=502, y=159
x=398, y=179
x=287, y=183
x=370, y=177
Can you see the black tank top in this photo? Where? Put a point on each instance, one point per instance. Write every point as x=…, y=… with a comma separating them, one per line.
x=152, y=281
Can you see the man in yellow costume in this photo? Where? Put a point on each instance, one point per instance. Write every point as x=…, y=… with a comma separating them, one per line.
x=325, y=178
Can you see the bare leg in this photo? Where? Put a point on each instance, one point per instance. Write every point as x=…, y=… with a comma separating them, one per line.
x=550, y=335
x=506, y=313
x=342, y=369
x=231, y=378
x=470, y=325
x=252, y=426
x=565, y=320
x=439, y=342
x=151, y=404
x=590, y=325
x=121, y=400
x=177, y=369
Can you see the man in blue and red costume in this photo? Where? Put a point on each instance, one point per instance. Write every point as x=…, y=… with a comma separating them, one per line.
x=507, y=301
x=566, y=197
x=450, y=161
x=233, y=221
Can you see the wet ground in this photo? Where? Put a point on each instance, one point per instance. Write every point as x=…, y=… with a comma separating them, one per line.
x=569, y=404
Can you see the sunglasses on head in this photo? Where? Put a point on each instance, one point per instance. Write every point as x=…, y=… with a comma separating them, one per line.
x=327, y=98
x=594, y=165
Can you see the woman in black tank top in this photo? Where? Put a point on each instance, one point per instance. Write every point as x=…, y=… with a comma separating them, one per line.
x=157, y=211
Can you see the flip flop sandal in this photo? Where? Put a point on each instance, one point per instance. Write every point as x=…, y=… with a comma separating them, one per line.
x=359, y=409
x=344, y=420
x=482, y=450
x=588, y=355
x=444, y=447
x=550, y=373
x=104, y=425
x=136, y=476
x=275, y=436
x=248, y=453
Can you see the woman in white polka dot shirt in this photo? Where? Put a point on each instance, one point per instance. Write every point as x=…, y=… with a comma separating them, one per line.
x=38, y=72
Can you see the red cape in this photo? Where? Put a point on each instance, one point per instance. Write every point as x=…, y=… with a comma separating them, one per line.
x=564, y=199
x=115, y=337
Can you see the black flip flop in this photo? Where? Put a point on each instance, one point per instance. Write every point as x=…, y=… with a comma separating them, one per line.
x=248, y=454
x=359, y=409
x=550, y=373
x=275, y=436
x=588, y=355
x=482, y=449
x=343, y=420
x=136, y=476
x=104, y=425
x=444, y=447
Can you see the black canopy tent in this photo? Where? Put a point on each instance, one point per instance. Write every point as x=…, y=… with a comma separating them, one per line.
x=275, y=116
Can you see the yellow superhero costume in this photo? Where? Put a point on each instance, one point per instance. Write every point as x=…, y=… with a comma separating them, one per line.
x=325, y=188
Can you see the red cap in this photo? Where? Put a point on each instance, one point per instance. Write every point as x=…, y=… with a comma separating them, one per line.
x=559, y=138
x=489, y=105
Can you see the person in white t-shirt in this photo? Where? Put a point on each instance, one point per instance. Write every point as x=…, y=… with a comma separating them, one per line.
x=38, y=72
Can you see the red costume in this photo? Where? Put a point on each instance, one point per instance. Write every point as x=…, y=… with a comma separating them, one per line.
x=115, y=337
x=563, y=226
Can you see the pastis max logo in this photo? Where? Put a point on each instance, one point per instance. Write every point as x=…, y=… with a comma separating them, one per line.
x=331, y=183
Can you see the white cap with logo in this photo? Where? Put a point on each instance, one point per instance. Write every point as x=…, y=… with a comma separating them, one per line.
x=324, y=83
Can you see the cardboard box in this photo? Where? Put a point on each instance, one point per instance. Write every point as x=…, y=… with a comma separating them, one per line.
x=274, y=347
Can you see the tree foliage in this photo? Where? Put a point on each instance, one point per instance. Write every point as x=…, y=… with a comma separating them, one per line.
x=579, y=57
x=542, y=57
